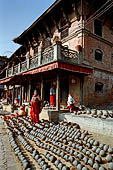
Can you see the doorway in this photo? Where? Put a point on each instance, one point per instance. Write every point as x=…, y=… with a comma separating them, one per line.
x=64, y=91
x=47, y=85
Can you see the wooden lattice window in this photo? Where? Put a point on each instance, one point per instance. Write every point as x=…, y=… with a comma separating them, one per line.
x=64, y=28
x=36, y=50
x=64, y=33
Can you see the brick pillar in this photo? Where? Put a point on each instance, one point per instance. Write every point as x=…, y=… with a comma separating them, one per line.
x=42, y=89
x=6, y=72
x=28, y=63
x=21, y=95
x=13, y=96
x=29, y=94
x=7, y=91
x=81, y=89
x=58, y=93
x=19, y=67
x=57, y=50
x=39, y=58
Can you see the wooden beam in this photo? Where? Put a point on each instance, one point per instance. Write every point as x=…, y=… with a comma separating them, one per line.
x=55, y=23
x=21, y=95
x=76, y=11
x=65, y=16
x=29, y=91
x=29, y=42
x=91, y=8
x=25, y=45
x=81, y=89
x=38, y=31
x=42, y=89
x=47, y=29
x=58, y=93
x=105, y=20
x=13, y=96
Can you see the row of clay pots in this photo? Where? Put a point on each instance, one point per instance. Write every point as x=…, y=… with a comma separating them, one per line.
x=80, y=141
x=96, y=113
x=25, y=163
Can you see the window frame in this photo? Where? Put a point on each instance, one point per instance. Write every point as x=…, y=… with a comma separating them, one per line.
x=63, y=28
x=35, y=48
x=102, y=61
x=94, y=28
x=62, y=33
x=111, y=58
x=99, y=91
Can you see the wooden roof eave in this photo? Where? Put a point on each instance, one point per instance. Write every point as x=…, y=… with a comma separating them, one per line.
x=18, y=39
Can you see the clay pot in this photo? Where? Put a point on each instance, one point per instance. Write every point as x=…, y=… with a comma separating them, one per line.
x=98, y=159
x=105, y=148
x=110, y=150
x=102, y=153
x=85, y=160
x=96, y=166
x=79, y=166
x=90, y=162
x=108, y=158
x=102, y=168
x=110, y=166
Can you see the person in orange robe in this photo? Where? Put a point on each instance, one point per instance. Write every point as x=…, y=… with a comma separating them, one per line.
x=35, y=107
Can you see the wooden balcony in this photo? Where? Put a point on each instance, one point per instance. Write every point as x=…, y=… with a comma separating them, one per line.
x=56, y=52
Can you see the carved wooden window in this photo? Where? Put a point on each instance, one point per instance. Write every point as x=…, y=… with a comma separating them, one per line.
x=36, y=50
x=99, y=87
x=64, y=28
x=98, y=27
x=64, y=33
x=98, y=55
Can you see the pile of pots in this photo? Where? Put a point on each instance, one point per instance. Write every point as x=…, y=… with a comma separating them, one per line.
x=21, y=156
x=61, y=142
x=104, y=114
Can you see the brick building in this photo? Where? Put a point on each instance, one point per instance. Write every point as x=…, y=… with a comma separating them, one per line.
x=70, y=45
x=3, y=63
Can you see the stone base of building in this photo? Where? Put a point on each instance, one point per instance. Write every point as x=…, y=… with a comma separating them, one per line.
x=50, y=115
x=96, y=125
x=7, y=108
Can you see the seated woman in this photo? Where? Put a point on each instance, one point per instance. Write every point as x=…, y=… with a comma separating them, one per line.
x=70, y=102
x=18, y=114
x=22, y=111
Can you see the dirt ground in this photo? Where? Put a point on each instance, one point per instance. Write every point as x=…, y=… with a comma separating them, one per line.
x=108, y=140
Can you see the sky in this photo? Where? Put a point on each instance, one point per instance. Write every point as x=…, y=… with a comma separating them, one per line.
x=15, y=17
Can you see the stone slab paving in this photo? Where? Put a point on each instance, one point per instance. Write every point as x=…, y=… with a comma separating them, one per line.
x=7, y=157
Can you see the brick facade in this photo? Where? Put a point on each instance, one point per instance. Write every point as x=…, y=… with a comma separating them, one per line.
x=79, y=33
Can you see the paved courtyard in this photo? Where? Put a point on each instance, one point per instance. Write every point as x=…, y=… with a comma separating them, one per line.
x=7, y=158
x=40, y=137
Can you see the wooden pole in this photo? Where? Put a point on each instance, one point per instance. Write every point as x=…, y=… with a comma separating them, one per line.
x=21, y=95
x=81, y=89
x=13, y=96
x=58, y=93
x=42, y=89
x=29, y=95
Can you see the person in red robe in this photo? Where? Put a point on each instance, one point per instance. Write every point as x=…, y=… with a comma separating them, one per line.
x=35, y=107
x=52, y=96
